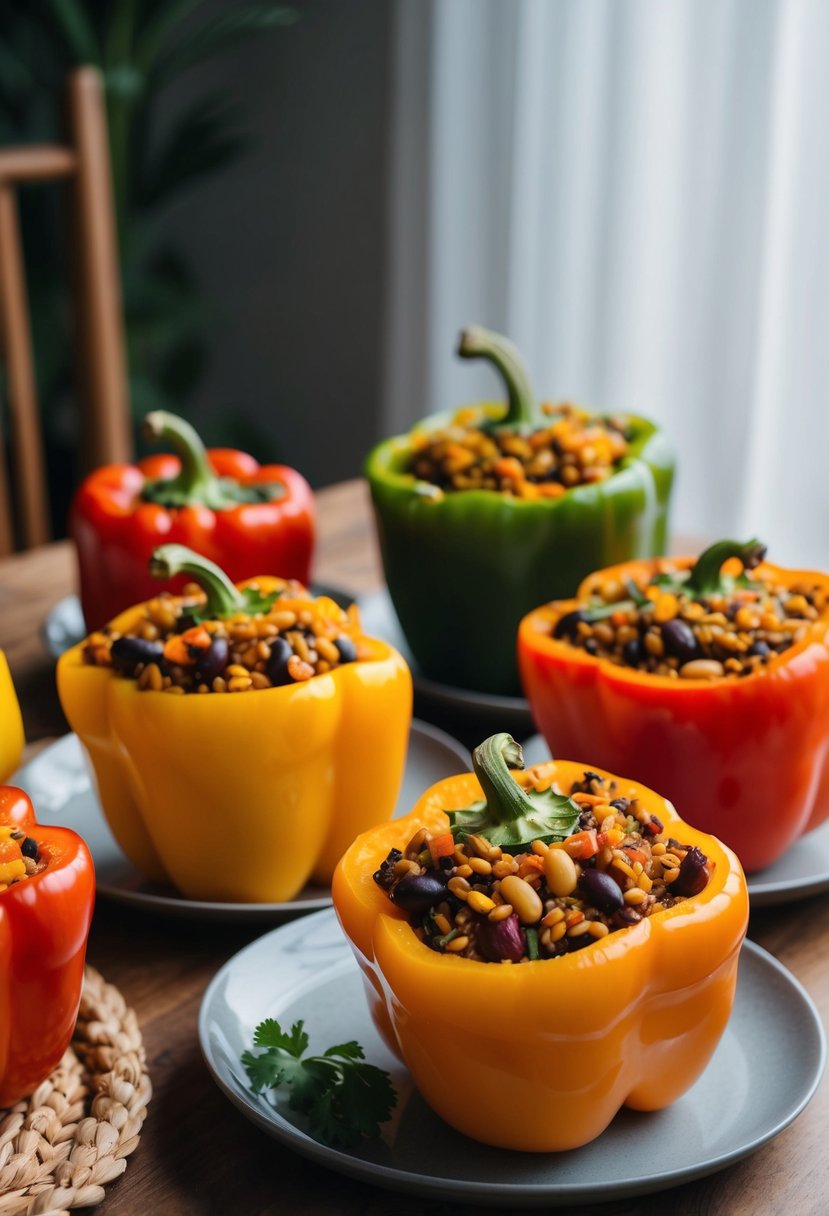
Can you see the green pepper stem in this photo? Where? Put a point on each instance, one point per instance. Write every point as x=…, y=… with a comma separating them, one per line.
x=195, y=476
x=492, y=761
x=478, y=343
x=223, y=599
x=705, y=577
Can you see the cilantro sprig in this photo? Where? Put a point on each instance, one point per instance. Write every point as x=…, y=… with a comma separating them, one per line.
x=344, y=1099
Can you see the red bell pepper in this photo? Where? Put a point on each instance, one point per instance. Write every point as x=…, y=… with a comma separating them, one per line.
x=248, y=518
x=745, y=759
x=44, y=923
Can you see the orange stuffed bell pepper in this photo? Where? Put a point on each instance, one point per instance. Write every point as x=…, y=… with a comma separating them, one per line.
x=234, y=735
x=709, y=684
x=539, y=959
x=47, y=891
x=11, y=723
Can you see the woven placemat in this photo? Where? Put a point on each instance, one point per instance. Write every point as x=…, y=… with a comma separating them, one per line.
x=59, y=1147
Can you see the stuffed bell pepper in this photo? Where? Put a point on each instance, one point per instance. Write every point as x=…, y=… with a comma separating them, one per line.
x=544, y=947
x=248, y=518
x=11, y=723
x=240, y=737
x=485, y=513
x=709, y=679
x=47, y=892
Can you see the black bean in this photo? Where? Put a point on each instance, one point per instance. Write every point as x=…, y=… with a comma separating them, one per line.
x=621, y=804
x=500, y=939
x=128, y=652
x=345, y=645
x=418, y=892
x=624, y=917
x=385, y=876
x=276, y=668
x=600, y=890
x=632, y=652
x=567, y=625
x=680, y=640
x=29, y=848
x=761, y=648
x=693, y=875
x=212, y=661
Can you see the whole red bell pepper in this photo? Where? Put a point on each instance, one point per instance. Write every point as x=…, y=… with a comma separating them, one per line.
x=248, y=518
x=744, y=758
x=44, y=923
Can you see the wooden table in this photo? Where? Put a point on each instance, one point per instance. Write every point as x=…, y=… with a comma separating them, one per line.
x=198, y=1154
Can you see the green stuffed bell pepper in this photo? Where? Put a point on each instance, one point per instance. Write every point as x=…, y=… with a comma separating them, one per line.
x=485, y=513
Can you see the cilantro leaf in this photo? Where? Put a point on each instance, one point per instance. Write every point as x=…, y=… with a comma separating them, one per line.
x=270, y=1034
x=344, y=1099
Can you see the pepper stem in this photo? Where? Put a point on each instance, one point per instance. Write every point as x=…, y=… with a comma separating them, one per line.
x=195, y=479
x=223, y=599
x=478, y=343
x=492, y=761
x=706, y=574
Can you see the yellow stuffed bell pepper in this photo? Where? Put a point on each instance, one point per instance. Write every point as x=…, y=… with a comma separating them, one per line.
x=234, y=737
x=11, y=723
x=530, y=1027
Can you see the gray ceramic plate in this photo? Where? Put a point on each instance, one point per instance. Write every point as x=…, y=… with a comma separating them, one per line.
x=305, y=970
x=799, y=873
x=505, y=713
x=59, y=784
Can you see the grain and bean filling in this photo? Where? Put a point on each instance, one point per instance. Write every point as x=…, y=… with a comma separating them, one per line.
x=19, y=856
x=675, y=633
x=475, y=900
x=172, y=650
x=574, y=448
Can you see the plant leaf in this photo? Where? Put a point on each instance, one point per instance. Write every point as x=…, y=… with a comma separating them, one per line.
x=218, y=35
x=74, y=23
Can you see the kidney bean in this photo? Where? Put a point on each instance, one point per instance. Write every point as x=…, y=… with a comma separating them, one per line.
x=501, y=939
x=693, y=875
x=128, y=652
x=601, y=890
x=680, y=640
x=418, y=892
x=276, y=667
x=212, y=661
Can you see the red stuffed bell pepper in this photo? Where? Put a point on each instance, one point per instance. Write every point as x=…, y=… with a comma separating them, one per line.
x=47, y=892
x=710, y=685
x=250, y=519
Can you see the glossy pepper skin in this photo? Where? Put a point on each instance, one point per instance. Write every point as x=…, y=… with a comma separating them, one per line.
x=44, y=923
x=243, y=797
x=540, y=1056
x=203, y=499
x=746, y=758
x=11, y=723
x=464, y=566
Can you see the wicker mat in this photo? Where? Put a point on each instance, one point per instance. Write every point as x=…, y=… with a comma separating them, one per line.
x=59, y=1147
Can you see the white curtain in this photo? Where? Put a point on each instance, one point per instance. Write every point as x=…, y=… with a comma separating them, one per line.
x=637, y=192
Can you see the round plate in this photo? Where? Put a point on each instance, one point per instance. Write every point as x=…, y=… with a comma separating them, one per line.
x=513, y=714
x=305, y=970
x=59, y=784
x=802, y=871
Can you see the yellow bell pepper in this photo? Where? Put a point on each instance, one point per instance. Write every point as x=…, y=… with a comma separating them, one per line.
x=540, y=1055
x=241, y=797
x=11, y=723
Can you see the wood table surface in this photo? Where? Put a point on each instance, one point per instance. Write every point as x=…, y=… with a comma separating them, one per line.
x=198, y=1154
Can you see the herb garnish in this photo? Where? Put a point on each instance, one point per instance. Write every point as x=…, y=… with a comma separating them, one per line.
x=345, y=1100
x=510, y=816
